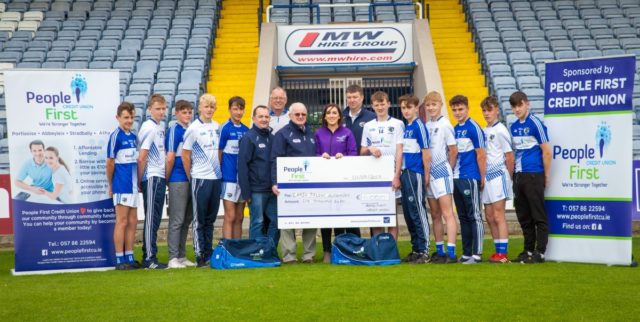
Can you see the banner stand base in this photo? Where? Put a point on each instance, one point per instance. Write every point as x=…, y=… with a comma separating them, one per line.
x=62, y=271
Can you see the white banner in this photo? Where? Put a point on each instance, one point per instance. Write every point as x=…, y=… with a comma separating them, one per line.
x=332, y=193
x=357, y=44
x=59, y=123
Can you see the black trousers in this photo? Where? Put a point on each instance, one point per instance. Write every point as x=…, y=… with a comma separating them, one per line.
x=326, y=235
x=528, y=190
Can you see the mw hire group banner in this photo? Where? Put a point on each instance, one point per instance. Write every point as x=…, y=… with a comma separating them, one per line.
x=335, y=193
x=59, y=123
x=588, y=106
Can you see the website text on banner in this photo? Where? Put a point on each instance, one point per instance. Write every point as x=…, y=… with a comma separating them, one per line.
x=58, y=125
x=588, y=114
x=332, y=193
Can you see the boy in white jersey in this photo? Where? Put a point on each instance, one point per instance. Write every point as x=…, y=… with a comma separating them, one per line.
x=123, y=185
x=497, y=187
x=201, y=164
x=230, y=135
x=383, y=136
x=444, y=154
x=151, y=171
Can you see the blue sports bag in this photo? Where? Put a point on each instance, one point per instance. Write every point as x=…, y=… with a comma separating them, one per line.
x=349, y=249
x=245, y=253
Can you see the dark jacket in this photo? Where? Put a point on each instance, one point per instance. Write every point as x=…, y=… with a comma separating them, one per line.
x=254, y=161
x=291, y=141
x=356, y=126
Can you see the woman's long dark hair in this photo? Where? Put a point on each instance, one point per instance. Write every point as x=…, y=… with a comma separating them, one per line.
x=326, y=109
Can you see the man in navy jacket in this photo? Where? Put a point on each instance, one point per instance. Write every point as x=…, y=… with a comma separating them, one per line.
x=254, y=176
x=294, y=140
x=355, y=116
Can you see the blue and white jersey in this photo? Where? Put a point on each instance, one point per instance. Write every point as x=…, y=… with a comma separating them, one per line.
x=230, y=135
x=202, y=140
x=527, y=137
x=122, y=148
x=498, y=143
x=415, y=140
x=278, y=122
x=469, y=137
x=175, y=139
x=441, y=136
x=151, y=138
x=383, y=135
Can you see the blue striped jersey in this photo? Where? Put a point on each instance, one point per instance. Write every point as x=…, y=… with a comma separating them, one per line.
x=230, y=135
x=122, y=148
x=202, y=140
x=469, y=137
x=498, y=143
x=527, y=136
x=441, y=136
x=151, y=138
x=415, y=140
x=175, y=139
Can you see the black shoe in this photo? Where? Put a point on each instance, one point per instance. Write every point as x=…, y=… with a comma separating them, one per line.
x=135, y=265
x=538, y=257
x=154, y=265
x=202, y=263
x=124, y=267
x=421, y=258
x=523, y=257
x=411, y=257
x=450, y=260
x=438, y=259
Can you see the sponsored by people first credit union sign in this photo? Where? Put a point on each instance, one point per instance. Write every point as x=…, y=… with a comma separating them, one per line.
x=345, y=45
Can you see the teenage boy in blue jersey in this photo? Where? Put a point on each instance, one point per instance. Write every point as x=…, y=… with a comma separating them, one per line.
x=532, y=169
x=151, y=173
x=122, y=172
x=254, y=176
x=180, y=206
x=468, y=179
x=201, y=164
x=230, y=135
x=416, y=165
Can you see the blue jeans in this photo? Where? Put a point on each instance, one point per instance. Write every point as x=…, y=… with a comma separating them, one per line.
x=153, y=191
x=263, y=204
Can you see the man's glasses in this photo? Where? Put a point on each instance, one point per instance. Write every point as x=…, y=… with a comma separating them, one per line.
x=299, y=114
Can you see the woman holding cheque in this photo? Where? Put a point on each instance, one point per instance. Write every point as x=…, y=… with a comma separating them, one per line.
x=334, y=140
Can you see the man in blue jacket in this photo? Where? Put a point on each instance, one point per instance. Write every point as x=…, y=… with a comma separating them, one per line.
x=254, y=175
x=296, y=139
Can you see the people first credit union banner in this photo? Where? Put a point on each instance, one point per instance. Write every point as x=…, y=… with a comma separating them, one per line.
x=59, y=123
x=588, y=112
x=335, y=193
x=356, y=44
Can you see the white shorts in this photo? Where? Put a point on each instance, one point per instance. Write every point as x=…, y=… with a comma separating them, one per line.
x=126, y=199
x=440, y=187
x=231, y=192
x=497, y=189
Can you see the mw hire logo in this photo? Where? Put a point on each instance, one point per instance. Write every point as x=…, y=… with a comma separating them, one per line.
x=62, y=100
x=298, y=172
x=592, y=156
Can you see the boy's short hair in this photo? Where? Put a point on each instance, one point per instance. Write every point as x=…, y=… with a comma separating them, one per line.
x=239, y=101
x=255, y=109
x=489, y=103
x=157, y=98
x=35, y=142
x=459, y=100
x=409, y=99
x=433, y=96
x=518, y=98
x=183, y=105
x=126, y=106
x=353, y=88
x=379, y=96
x=207, y=99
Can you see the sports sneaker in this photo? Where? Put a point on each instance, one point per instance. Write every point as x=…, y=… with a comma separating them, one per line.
x=202, y=263
x=463, y=259
x=154, y=265
x=421, y=258
x=135, y=265
x=538, y=257
x=411, y=257
x=522, y=257
x=498, y=258
x=472, y=260
x=124, y=267
x=175, y=263
x=450, y=260
x=184, y=261
x=438, y=259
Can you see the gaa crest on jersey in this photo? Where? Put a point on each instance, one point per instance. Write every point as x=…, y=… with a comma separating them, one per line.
x=391, y=129
x=526, y=131
x=491, y=137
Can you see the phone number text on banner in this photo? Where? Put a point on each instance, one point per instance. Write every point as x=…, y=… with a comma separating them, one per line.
x=332, y=193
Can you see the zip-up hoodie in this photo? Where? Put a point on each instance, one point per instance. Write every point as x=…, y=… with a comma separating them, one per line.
x=340, y=141
x=291, y=141
x=254, y=161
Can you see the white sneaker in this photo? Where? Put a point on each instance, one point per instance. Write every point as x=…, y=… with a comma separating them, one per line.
x=187, y=263
x=175, y=263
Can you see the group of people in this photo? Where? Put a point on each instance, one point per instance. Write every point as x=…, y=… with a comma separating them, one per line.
x=45, y=174
x=202, y=162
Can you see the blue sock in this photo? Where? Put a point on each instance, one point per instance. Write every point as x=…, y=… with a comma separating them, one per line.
x=129, y=256
x=505, y=245
x=451, y=250
x=497, y=243
x=120, y=258
x=440, y=248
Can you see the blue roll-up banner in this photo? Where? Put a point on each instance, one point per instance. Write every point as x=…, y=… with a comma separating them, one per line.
x=58, y=127
x=588, y=113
